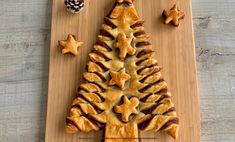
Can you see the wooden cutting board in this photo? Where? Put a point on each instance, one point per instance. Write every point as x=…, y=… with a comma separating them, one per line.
x=175, y=52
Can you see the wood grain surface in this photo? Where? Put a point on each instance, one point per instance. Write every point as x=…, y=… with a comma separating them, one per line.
x=174, y=48
x=25, y=35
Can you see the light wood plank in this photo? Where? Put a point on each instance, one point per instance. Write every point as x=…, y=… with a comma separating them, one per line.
x=175, y=52
x=27, y=23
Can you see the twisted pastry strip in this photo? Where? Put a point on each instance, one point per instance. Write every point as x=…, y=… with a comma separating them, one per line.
x=165, y=123
x=155, y=99
x=85, y=114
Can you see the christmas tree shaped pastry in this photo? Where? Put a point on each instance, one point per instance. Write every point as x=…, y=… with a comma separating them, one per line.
x=124, y=91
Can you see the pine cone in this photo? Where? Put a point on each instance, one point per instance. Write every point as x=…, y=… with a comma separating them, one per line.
x=74, y=6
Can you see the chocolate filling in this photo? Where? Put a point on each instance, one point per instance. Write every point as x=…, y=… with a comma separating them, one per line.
x=98, y=74
x=79, y=107
x=162, y=98
x=163, y=15
x=144, y=43
x=170, y=122
x=94, y=121
x=169, y=110
x=102, y=66
x=81, y=96
x=101, y=76
x=143, y=52
x=139, y=33
x=98, y=94
x=163, y=91
x=80, y=89
x=145, y=97
x=102, y=89
x=137, y=24
x=140, y=70
x=155, y=71
x=141, y=61
x=106, y=34
x=109, y=23
x=149, y=85
x=89, y=117
x=144, y=124
x=100, y=54
x=103, y=44
x=150, y=110
x=71, y=122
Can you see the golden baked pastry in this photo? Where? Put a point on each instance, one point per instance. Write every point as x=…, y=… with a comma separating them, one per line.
x=173, y=16
x=119, y=78
x=124, y=91
x=70, y=45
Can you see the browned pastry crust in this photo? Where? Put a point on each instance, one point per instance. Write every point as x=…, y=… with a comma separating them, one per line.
x=173, y=16
x=124, y=45
x=70, y=45
x=127, y=108
x=119, y=78
x=124, y=91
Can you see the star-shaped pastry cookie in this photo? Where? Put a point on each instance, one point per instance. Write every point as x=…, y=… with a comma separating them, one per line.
x=173, y=15
x=70, y=45
x=119, y=17
x=119, y=78
x=124, y=45
x=127, y=108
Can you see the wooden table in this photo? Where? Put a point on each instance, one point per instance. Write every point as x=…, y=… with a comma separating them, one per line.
x=24, y=42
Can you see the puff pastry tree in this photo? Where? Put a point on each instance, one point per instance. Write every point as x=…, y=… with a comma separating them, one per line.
x=124, y=91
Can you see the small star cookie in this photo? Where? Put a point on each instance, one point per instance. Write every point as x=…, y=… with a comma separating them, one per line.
x=70, y=45
x=127, y=108
x=173, y=16
x=119, y=78
x=124, y=45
